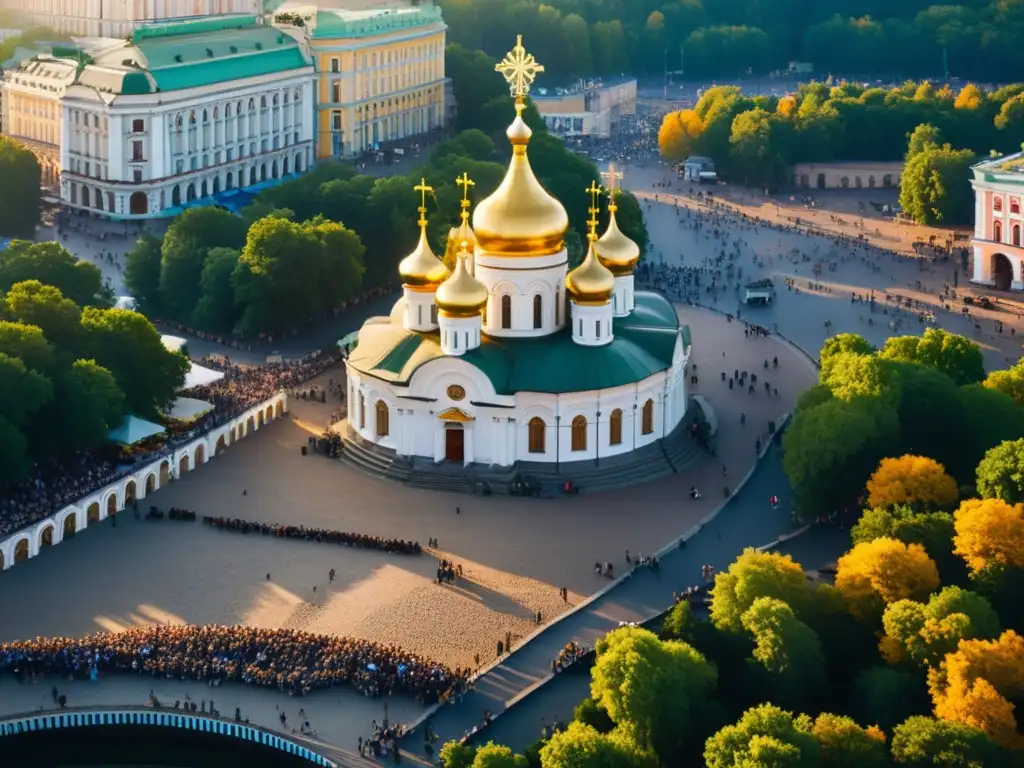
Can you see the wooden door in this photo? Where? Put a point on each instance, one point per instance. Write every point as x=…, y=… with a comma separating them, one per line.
x=454, y=444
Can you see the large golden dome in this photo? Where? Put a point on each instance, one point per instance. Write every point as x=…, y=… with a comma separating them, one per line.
x=461, y=295
x=591, y=282
x=520, y=218
x=615, y=250
x=421, y=270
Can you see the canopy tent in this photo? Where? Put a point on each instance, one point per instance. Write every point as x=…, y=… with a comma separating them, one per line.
x=188, y=409
x=133, y=430
x=198, y=376
x=173, y=343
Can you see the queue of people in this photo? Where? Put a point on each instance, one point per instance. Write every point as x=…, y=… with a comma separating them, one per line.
x=292, y=661
x=319, y=535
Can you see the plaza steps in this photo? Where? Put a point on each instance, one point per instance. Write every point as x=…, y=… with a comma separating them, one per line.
x=441, y=477
x=371, y=458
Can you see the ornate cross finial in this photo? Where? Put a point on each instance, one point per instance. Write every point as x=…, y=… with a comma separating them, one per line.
x=424, y=189
x=465, y=182
x=519, y=69
x=612, y=176
x=594, y=191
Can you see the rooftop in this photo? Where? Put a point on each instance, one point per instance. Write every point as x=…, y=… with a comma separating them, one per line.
x=1010, y=166
x=354, y=18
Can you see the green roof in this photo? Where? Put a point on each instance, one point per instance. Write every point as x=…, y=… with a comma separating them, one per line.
x=331, y=23
x=644, y=345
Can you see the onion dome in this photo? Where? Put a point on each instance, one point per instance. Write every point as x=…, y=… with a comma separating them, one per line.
x=520, y=218
x=421, y=270
x=615, y=250
x=461, y=295
x=591, y=282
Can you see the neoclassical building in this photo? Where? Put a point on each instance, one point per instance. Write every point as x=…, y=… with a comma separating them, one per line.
x=997, y=244
x=511, y=356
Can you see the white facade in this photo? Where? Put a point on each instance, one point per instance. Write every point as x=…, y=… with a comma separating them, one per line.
x=117, y=18
x=527, y=293
x=998, y=244
x=135, y=157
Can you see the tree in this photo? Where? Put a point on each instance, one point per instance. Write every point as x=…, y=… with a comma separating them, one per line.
x=970, y=97
x=20, y=189
x=1001, y=472
x=923, y=137
x=14, y=449
x=883, y=571
x=842, y=342
x=33, y=303
x=127, y=344
x=580, y=746
x=472, y=72
x=1011, y=115
x=86, y=406
x=679, y=134
x=52, y=264
x=886, y=696
x=932, y=530
x=590, y=713
x=1010, y=382
x=755, y=147
x=850, y=375
x=764, y=736
x=914, y=480
x=988, y=417
x=27, y=343
x=990, y=534
x=786, y=647
x=456, y=755
x=956, y=356
x=974, y=686
x=933, y=187
x=756, y=575
x=492, y=755
x=25, y=391
x=216, y=310
x=924, y=634
x=656, y=692
x=925, y=741
x=844, y=744
x=142, y=270
x=183, y=254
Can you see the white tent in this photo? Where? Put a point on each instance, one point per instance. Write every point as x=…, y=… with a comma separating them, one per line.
x=133, y=430
x=188, y=409
x=173, y=343
x=198, y=376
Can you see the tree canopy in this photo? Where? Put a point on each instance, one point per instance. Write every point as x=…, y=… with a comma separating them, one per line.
x=1000, y=474
x=882, y=571
x=20, y=188
x=913, y=480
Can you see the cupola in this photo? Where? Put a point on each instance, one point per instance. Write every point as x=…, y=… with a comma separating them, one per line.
x=618, y=253
x=591, y=282
x=460, y=301
x=422, y=272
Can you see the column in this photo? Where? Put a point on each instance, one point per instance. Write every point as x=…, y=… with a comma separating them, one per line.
x=116, y=147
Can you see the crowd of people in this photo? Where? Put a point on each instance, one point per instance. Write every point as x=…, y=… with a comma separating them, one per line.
x=292, y=661
x=569, y=655
x=54, y=485
x=319, y=535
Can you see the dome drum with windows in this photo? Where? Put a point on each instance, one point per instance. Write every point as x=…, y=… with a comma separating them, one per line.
x=511, y=356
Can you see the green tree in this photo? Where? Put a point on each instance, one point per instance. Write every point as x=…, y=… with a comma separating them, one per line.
x=20, y=189
x=850, y=376
x=27, y=343
x=127, y=344
x=33, y=303
x=924, y=136
x=52, y=264
x=956, y=356
x=1001, y=472
x=183, y=254
x=581, y=746
x=472, y=73
x=840, y=343
x=765, y=736
x=87, y=404
x=25, y=391
x=925, y=741
x=14, y=449
x=755, y=575
x=456, y=755
x=216, y=309
x=886, y=696
x=934, y=188
x=989, y=418
x=592, y=714
x=492, y=755
x=786, y=647
x=655, y=691
x=844, y=744
x=925, y=633
x=1010, y=382
x=755, y=148
x=142, y=270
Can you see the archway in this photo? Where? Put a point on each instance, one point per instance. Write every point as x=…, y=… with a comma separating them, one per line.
x=190, y=193
x=220, y=446
x=821, y=181
x=579, y=433
x=615, y=427
x=21, y=551
x=176, y=195
x=261, y=418
x=647, y=418
x=203, y=193
x=233, y=435
x=270, y=412
x=1002, y=271
x=150, y=483
x=284, y=167
x=165, y=473
x=112, y=504
x=138, y=203
x=129, y=492
x=46, y=540
x=844, y=182
x=183, y=466
x=92, y=514
x=200, y=454
x=250, y=425
x=263, y=171
x=229, y=182
x=273, y=170
x=280, y=409
x=252, y=175
x=383, y=418
x=537, y=435
x=70, y=525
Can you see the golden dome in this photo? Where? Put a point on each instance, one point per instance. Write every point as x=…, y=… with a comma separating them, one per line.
x=615, y=250
x=520, y=218
x=591, y=282
x=461, y=295
x=421, y=270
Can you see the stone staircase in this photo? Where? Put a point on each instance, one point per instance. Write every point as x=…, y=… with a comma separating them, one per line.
x=372, y=458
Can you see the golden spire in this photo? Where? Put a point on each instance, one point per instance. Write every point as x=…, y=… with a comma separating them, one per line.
x=594, y=191
x=461, y=295
x=421, y=270
x=465, y=182
x=519, y=69
x=616, y=251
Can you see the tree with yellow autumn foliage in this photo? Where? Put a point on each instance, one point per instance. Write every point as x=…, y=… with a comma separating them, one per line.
x=914, y=480
x=975, y=686
x=678, y=133
x=876, y=573
x=989, y=534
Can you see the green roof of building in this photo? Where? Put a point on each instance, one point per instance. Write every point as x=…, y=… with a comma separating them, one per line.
x=644, y=345
x=338, y=23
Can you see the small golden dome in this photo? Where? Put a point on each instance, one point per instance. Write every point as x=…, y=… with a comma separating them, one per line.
x=520, y=218
x=591, y=282
x=421, y=270
x=461, y=295
x=615, y=250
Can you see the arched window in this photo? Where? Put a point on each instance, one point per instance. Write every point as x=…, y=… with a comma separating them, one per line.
x=383, y=427
x=887, y=180
x=506, y=311
x=871, y=182
x=538, y=434
x=362, y=411
x=647, y=420
x=997, y=231
x=579, y=433
x=538, y=311
x=844, y=182
x=615, y=427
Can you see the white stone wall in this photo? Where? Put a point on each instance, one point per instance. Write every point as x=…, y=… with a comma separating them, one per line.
x=523, y=280
x=114, y=497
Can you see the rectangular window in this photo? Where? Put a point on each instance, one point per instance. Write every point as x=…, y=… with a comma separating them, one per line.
x=137, y=176
x=336, y=91
x=1014, y=205
x=997, y=203
x=136, y=151
x=336, y=121
x=335, y=65
x=138, y=126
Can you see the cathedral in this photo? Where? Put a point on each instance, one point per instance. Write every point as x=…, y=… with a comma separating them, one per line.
x=511, y=356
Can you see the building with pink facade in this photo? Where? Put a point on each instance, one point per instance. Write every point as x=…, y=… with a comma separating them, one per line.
x=998, y=243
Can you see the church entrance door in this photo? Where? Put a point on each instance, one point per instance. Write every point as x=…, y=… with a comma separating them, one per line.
x=454, y=443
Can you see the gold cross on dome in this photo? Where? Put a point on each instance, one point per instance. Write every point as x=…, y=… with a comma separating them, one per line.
x=465, y=182
x=519, y=69
x=594, y=191
x=423, y=188
x=612, y=176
